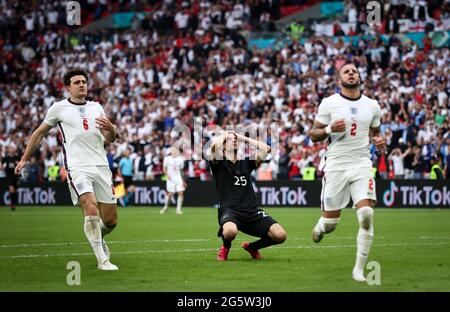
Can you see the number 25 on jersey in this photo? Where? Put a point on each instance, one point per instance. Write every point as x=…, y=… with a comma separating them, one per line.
x=240, y=181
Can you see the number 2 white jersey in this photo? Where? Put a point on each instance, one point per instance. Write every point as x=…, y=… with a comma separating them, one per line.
x=173, y=166
x=83, y=143
x=349, y=149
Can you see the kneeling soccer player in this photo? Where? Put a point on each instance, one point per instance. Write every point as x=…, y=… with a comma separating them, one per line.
x=237, y=201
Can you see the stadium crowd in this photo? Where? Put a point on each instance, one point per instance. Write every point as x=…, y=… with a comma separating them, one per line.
x=149, y=79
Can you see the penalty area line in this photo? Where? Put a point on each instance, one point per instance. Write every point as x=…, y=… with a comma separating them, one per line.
x=215, y=249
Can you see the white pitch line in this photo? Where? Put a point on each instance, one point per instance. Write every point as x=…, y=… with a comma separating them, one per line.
x=109, y=242
x=215, y=249
x=116, y=253
x=338, y=238
x=144, y=241
x=375, y=245
x=159, y=241
x=434, y=237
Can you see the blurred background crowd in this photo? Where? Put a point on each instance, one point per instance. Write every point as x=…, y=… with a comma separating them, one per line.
x=191, y=60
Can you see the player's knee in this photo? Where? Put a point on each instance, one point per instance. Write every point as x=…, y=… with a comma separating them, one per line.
x=280, y=236
x=330, y=224
x=90, y=210
x=229, y=231
x=277, y=233
x=89, y=207
x=365, y=217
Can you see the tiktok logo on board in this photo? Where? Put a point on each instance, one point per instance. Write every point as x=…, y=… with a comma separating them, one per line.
x=389, y=195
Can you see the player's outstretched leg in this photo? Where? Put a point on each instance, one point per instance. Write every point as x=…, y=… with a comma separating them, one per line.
x=229, y=232
x=166, y=204
x=275, y=235
x=324, y=226
x=363, y=240
x=93, y=231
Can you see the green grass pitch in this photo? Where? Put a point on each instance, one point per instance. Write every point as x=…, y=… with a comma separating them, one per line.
x=177, y=253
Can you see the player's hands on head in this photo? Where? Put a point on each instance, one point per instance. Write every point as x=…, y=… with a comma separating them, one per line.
x=338, y=125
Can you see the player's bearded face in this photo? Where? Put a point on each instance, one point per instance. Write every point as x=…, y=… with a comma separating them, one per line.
x=349, y=77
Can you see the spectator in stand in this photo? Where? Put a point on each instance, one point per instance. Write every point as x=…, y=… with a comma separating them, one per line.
x=125, y=172
x=283, y=164
x=397, y=158
x=418, y=163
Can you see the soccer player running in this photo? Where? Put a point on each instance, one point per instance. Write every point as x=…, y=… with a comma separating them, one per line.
x=84, y=130
x=173, y=166
x=9, y=162
x=238, y=209
x=349, y=120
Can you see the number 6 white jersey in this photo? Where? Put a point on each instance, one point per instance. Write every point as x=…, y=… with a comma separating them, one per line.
x=349, y=149
x=83, y=143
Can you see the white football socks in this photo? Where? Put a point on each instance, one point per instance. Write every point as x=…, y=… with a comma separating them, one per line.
x=179, y=203
x=365, y=236
x=94, y=236
x=166, y=204
x=327, y=225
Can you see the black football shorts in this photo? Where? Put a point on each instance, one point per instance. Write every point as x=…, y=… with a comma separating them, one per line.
x=254, y=223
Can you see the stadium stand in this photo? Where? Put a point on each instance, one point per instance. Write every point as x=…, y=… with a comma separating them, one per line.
x=189, y=61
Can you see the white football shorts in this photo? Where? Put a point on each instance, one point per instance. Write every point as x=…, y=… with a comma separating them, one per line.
x=93, y=179
x=339, y=186
x=174, y=185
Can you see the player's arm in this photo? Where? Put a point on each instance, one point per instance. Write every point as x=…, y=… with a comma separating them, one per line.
x=35, y=140
x=107, y=129
x=262, y=148
x=320, y=131
x=377, y=138
x=217, y=144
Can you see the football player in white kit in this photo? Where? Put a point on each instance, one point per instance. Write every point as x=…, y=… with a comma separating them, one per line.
x=349, y=120
x=84, y=130
x=173, y=166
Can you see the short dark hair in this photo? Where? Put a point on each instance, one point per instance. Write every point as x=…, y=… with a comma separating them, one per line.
x=73, y=72
x=345, y=64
